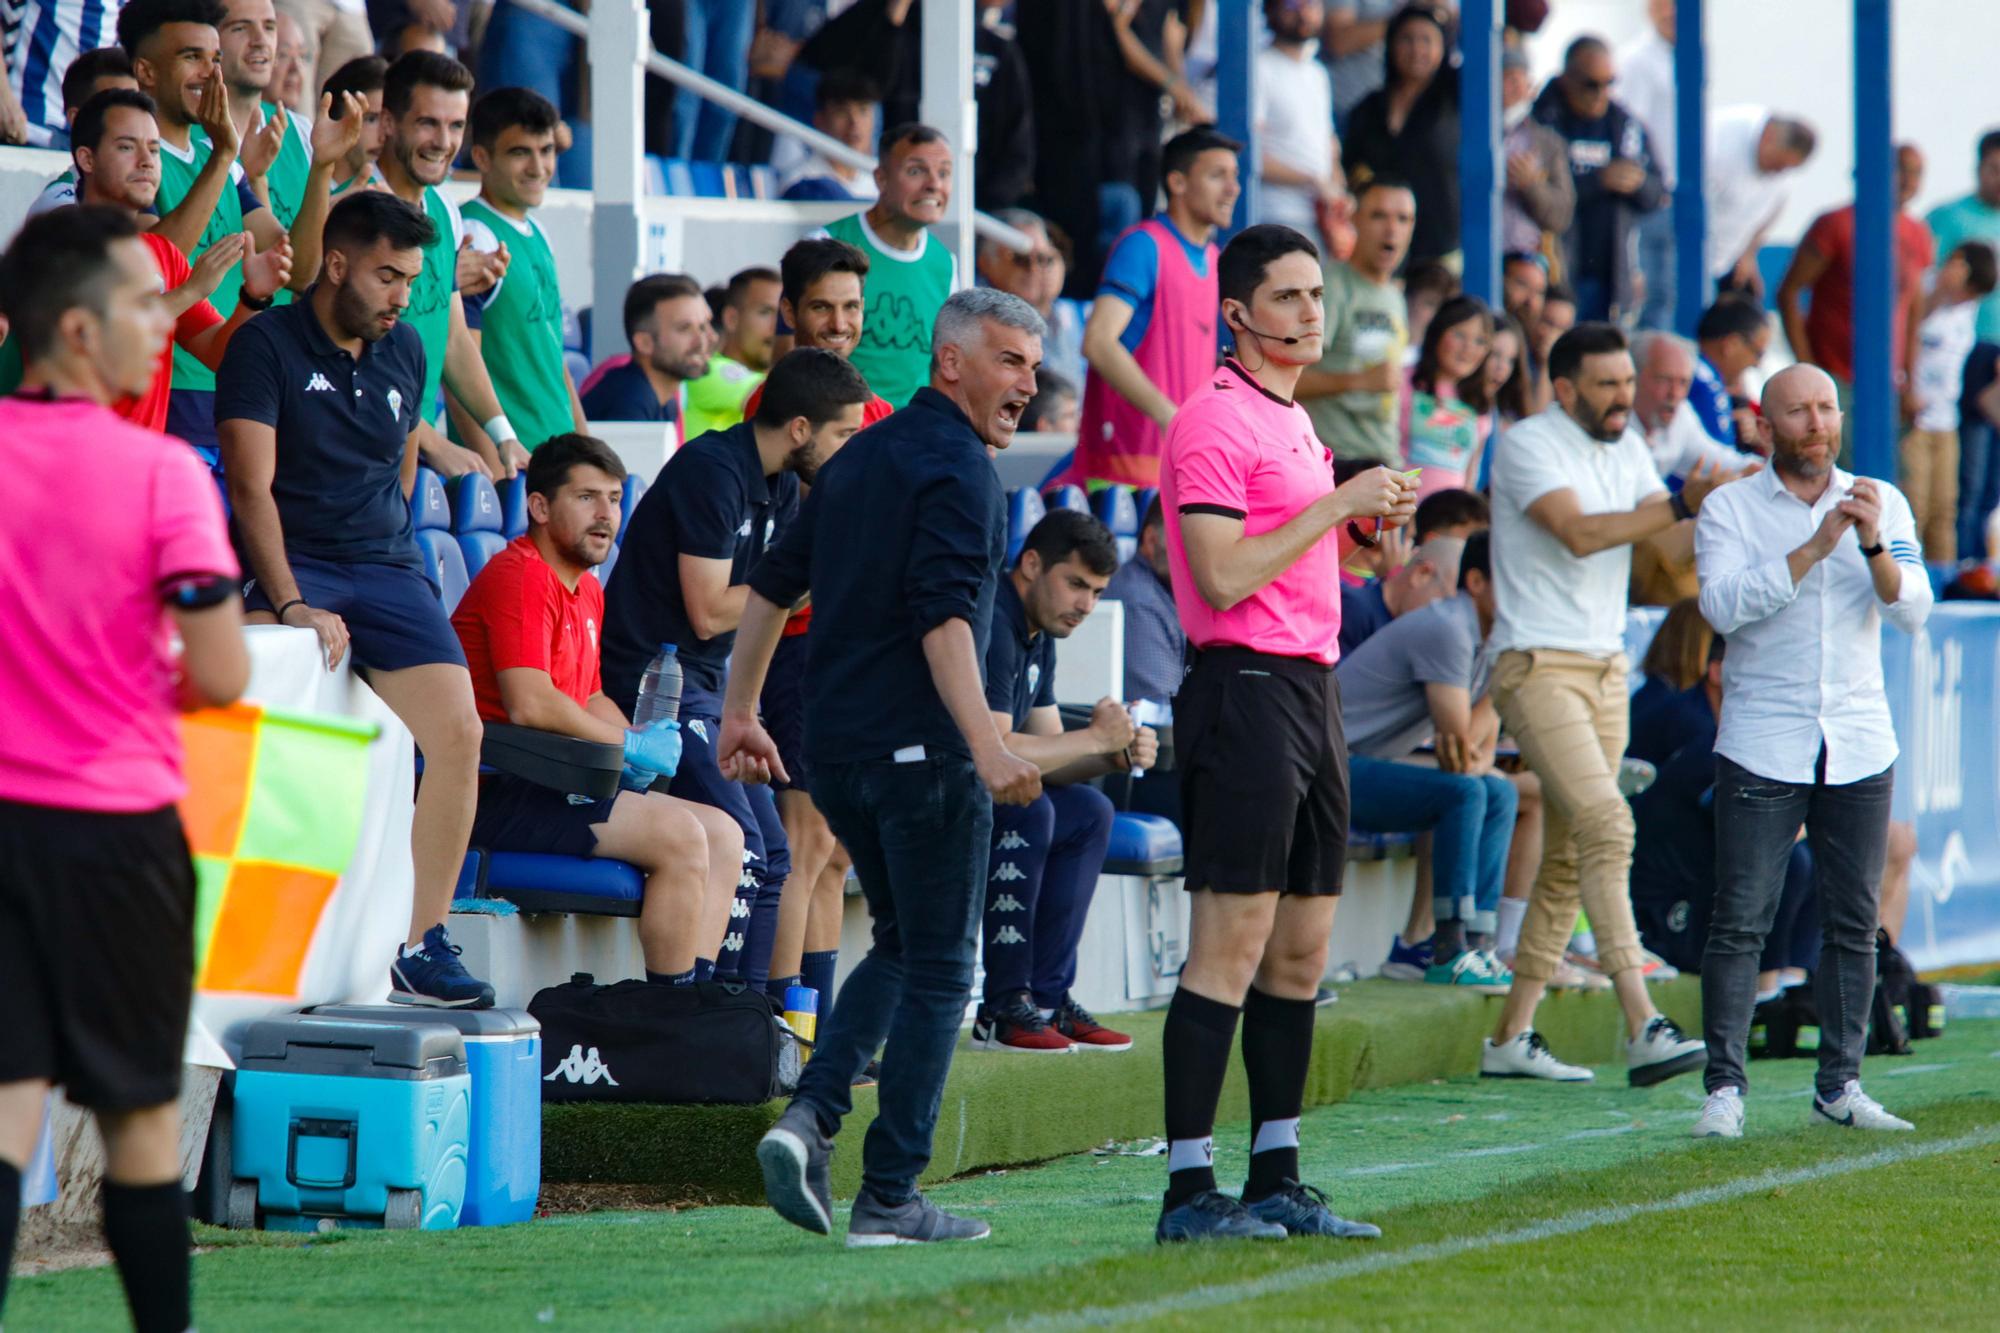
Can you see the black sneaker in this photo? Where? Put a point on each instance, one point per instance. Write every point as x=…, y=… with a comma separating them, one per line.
x=1304, y=1211
x=793, y=1156
x=1016, y=1025
x=915, y=1221
x=1213, y=1215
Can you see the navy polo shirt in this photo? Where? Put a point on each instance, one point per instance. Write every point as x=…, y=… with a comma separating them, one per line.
x=713, y=501
x=905, y=529
x=342, y=423
x=1363, y=610
x=623, y=393
x=1020, y=666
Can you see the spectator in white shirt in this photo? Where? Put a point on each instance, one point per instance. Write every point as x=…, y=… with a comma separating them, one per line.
x=1663, y=565
x=1573, y=487
x=844, y=106
x=1751, y=157
x=1799, y=566
x=1927, y=462
x=1645, y=87
x=1300, y=158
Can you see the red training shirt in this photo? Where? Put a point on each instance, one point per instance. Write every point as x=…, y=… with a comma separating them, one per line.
x=150, y=408
x=517, y=613
x=1830, y=317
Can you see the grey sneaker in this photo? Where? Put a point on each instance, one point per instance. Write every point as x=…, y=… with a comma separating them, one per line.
x=793, y=1156
x=915, y=1221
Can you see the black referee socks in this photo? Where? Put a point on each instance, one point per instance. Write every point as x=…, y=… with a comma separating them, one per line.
x=1277, y=1048
x=1194, y=1046
x=147, y=1228
x=10, y=1222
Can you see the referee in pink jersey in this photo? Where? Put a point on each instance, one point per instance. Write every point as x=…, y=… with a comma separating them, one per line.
x=1254, y=526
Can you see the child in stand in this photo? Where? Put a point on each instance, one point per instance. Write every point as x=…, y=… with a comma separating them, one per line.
x=1444, y=412
x=1928, y=456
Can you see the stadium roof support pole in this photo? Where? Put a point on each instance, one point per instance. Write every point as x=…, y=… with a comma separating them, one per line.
x=948, y=105
x=617, y=160
x=1236, y=99
x=1479, y=147
x=1690, y=166
x=1873, y=430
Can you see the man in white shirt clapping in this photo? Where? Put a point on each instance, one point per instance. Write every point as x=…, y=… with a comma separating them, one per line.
x=1799, y=565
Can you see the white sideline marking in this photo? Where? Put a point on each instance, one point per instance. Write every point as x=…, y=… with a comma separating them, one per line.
x=1588, y=1219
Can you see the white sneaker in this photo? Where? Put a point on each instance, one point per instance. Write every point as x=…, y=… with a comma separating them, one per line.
x=1527, y=1056
x=1855, y=1109
x=1662, y=1051
x=1721, y=1115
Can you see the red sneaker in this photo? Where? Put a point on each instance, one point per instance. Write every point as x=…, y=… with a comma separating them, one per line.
x=1016, y=1025
x=1075, y=1022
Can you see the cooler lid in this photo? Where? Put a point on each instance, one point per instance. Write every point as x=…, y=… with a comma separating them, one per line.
x=306, y=1044
x=474, y=1024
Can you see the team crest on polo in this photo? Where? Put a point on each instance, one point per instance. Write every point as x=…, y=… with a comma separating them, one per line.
x=1034, y=677
x=396, y=403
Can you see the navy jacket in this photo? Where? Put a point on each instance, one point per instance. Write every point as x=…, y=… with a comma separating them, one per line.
x=1600, y=243
x=905, y=529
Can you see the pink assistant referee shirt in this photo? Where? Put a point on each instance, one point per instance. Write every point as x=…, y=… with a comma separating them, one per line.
x=1238, y=449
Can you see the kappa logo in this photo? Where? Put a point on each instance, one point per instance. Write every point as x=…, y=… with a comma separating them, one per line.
x=319, y=384
x=1011, y=841
x=1007, y=902
x=1007, y=872
x=733, y=942
x=1009, y=935
x=738, y=908
x=579, y=1067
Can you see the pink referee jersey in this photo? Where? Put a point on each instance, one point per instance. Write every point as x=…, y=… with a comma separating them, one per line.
x=1238, y=449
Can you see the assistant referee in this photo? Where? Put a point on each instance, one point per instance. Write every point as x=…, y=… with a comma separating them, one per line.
x=1253, y=535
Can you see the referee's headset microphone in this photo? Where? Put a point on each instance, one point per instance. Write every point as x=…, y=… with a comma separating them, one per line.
x=1237, y=320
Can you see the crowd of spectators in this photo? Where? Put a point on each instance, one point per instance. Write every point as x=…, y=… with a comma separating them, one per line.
x=284, y=159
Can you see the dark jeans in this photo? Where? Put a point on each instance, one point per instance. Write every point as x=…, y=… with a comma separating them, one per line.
x=1978, y=482
x=1756, y=821
x=919, y=835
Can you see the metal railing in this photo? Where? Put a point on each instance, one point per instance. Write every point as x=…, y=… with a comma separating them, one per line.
x=754, y=111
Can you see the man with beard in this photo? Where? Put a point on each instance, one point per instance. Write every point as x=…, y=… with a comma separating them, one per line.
x=666, y=325
x=317, y=405
x=913, y=272
x=530, y=625
x=517, y=323
x=1046, y=855
x=426, y=98
x=204, y=192
x=899, y=544
x=116, y=149
x=683, y=578
x=1799, y=566
x=1573, y=487
x=747, y=319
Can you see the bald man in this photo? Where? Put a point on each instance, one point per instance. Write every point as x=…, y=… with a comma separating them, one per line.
x=1799, y=565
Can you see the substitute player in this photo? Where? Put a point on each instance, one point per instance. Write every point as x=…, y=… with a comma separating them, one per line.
x=97, y=893
x=1253, y=522
x=1806, y=736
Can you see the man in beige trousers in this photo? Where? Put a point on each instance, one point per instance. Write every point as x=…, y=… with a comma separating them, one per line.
x=1573, y=487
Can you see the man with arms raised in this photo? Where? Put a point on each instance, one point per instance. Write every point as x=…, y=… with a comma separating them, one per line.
x=530, y=624
x=1799, y=566
x=317, y=405
x=1253, y=534
x=1573, y=487
x=97, y=892
x=1151, y=336
x=900, y=545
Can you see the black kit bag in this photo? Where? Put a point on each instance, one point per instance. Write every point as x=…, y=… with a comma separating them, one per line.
x=639, y=1041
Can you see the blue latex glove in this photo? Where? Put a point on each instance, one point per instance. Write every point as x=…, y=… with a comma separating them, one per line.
x=657, y=749
x=637, y=779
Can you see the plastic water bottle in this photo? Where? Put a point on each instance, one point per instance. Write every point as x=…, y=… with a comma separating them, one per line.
x=802, y=1012
x=659, y=689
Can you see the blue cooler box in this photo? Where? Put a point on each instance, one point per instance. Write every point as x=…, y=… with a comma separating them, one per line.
x=503, y=1052
x=359, y=1122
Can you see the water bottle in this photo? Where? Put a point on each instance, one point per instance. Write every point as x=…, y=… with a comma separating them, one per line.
x=659, y=690
x=802, y=1012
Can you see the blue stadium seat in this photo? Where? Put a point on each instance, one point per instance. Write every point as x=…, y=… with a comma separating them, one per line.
x=541, y=882
x=1066, y=497
x=1116, y=509
x=475, y=505
x=446, y=565
x=635, y=487
x=1363, y=845
x=573, y=330
x=478, y=548
x=514, y=507
x=1142, y=500
x=428, y=506
x=1024, y=510
x=710, y=182
x=763, y=181
x=604, y=570
x=1143, y=845
x=577, y=364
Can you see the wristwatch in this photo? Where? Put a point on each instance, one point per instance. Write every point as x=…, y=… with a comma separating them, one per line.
x=254, y=302
x=1870, y=552
x=1678, y=503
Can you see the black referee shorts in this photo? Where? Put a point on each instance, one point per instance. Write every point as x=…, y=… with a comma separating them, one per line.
x=1263, y=774
x=96, y=952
